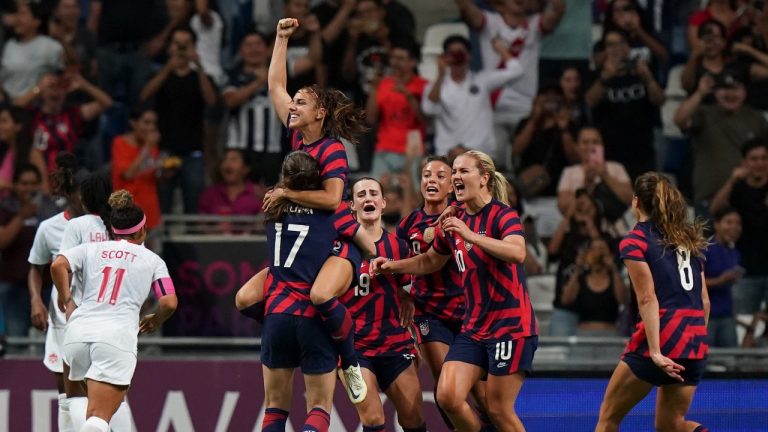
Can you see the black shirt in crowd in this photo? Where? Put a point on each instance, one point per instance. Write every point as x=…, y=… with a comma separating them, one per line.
x=752, y=205
x=180, y=107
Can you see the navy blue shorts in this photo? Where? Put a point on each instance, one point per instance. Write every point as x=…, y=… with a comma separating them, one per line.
x=499, y=358
x=431, y=329
x=386, y=367
x=645, y=369
x=290, y=341
x=349, y=251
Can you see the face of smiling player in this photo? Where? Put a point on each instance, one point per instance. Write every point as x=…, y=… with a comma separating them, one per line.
x=368, y=201
x=436, y=182
x=304, y=110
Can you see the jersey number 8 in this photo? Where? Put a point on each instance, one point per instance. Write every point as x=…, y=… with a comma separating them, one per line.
x=684, y=266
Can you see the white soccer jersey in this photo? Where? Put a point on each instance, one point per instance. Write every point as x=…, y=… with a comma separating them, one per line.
x=118, y=276
x=87, y=228
x=44, y=250
x=524, y=44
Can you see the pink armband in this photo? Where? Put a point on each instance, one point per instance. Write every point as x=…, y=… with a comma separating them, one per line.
x=163, y=287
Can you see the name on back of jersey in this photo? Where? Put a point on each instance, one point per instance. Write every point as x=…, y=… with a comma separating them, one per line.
x=118, y=254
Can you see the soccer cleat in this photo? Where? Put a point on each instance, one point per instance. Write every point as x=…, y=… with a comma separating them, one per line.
x=355, y=384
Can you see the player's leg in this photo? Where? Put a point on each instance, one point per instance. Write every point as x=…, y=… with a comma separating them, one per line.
x=435, y=340
x=479, y=392
x=501, y=393
x=334, y=279
x=371, y=409
x=249, y=299
x=77, y=398
x=453, y=386
x=103, y=400
x=624, y=391
x=278, y=391
x=320, y=398
x=672, y=403
x=405, y=394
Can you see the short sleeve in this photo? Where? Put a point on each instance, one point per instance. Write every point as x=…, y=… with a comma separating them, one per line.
x=76, y=257
x=427, y=106
x=569, y=180
x=344, y=223
x=403, y=280
x=508, y=223
x=633, y=246
x=162, y=285
x=333, y=161
x=40, y=253
x=441, y=244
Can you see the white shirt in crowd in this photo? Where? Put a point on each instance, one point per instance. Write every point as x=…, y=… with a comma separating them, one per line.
x=464, y=114
x=118, y=276
x=524, y=44
x=25, y=63
x=87, y=228
x=209, y=45
x=44, y=250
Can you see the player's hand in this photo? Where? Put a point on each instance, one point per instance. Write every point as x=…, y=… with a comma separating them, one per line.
x=407, y=308
x=70, y=308
x=668, y=366
x=286, y=27
x=148, y=324
x=273, y=198
x=450, y=211
x=379, y=265
x=456, y=225
x=39, y=314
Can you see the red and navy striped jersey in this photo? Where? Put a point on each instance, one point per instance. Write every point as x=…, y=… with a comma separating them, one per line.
x=440, y=294
x=56, y=133
x=298, y=246
x=375, y=306
x=330, y=154
x=498, y=304
x=677, y=282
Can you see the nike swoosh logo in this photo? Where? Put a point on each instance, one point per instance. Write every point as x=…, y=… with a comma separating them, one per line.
x=354, y=395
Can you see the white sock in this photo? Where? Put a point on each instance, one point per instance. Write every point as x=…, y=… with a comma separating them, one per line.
x=64, y=421
x=78, y=407
x=122, y=421
x=95, y=424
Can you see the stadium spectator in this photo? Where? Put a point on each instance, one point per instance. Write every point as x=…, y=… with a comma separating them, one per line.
x=596, y=290
x=627, y=16
x=751, y=45
x=235, y=195
x=624, y=101
x=58, y=126
x=334, y=16
x=607, y=181
x=570, y=44
x=253, y=125
x=394, y=106
x=16, y=148
x=367, y=49
x=181, y=91
x=747, y=191
x=209, y=28
x=582, y=223
x=522, y=34
x=571, y=80
x=305, y=53
x=129, y=33
x=723, y=270
x=78, y=42
x=30, y=54
x=724, y=11
x=20, y=214
x=717, y=132
x=708, y=56
x=545, y=143
x=459, y=99
x=136, y=163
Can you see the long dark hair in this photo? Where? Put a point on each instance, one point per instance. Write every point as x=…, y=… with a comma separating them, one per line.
x=300, y=172
x=666, y=206
x=342, y=119
x=94, y=192
x=125, y=214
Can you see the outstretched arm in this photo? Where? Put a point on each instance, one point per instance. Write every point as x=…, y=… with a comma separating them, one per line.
x=277, y=78
x=421, y=264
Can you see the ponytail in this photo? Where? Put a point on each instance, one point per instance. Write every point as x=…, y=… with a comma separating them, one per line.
x=498, y=185
x=666, y=207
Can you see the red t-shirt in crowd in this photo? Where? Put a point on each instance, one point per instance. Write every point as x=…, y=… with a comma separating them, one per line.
x=396, y=116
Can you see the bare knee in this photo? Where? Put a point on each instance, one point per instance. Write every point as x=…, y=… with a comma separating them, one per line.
x=241, y=299
x=502, y=412
x=321, y=294
x=610, y=418
x=448, y=401
x=371, y=416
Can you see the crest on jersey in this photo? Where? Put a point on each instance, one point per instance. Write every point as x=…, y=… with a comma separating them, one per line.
x=53, y=358
x=429, y=234
x=467, y=245
x=424, y=328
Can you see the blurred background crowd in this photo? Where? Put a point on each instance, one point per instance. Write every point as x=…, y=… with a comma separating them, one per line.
x=573, y=98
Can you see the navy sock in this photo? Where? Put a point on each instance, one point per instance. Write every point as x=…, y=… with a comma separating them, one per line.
x=701, y=428
x=274, y=420
x=255, y=311
x=422, y=428
x=338, y=322
x=373, y=428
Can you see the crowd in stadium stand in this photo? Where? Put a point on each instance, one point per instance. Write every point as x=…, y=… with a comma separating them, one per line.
x=574, y=99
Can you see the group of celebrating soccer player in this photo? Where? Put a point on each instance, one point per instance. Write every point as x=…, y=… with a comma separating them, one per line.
x=343, y=294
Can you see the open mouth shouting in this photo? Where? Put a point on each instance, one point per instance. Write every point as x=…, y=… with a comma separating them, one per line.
x=369, y=209
x=458, y=188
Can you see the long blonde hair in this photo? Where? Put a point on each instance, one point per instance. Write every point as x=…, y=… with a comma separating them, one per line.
x=498, y=185
x=666, y=206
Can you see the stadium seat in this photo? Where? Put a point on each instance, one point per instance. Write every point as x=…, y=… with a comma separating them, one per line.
x=433, y=45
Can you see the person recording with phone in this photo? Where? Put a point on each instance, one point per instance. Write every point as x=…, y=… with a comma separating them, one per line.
x=625, y=100
x=607, y=181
